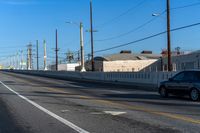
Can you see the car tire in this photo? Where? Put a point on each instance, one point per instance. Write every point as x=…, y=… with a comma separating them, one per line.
x=194, y=94
x=163, y=92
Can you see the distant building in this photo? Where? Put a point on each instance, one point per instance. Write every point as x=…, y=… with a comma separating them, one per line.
x=1, y=66
x=125, y=61
x=180, y=61
x=184, y=61
x=65, y=67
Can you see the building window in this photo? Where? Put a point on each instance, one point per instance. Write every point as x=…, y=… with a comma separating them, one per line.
x=189, y=65
x=148, y=76
x=182, y=66
x=165, y=67
x=174, y=66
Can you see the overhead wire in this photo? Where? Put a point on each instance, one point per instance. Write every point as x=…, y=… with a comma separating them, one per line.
x=144, y=24
x=122, y=14
x=146, y=38
x=131, y=31
x=185, y=6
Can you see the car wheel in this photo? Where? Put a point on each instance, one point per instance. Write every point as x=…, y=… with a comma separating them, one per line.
x=163, y=92
x=194, y=94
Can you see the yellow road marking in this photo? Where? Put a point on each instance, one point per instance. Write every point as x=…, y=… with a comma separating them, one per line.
x=56, y=90
x=139, y=108
x=179, y=117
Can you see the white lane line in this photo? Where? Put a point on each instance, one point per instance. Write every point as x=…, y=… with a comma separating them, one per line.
x=64, y=121
x=63, y=111
x=120, y=92
x=115, y=113
x=96, y=113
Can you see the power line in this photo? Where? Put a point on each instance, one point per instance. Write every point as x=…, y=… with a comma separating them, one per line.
x=187, y=26
x=185, y=6
x=122, y=14
x=144, y=24
x=146, y=38
x=131, y=31
x=9, y=47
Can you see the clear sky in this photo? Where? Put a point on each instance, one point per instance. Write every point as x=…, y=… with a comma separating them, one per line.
x=24, y=21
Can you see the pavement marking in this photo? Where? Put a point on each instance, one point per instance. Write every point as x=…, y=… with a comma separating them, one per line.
x=97, y=113
x=64, y=121
x=63, y=111
x=119, y=92
x=138, y=108
x=115, y=113
x=169, y=115
x=56, y=90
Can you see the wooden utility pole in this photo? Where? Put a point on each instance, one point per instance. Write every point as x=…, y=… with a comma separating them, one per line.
x=56, y=50
x=91, y=33
x=37, y=55
x=168, y=37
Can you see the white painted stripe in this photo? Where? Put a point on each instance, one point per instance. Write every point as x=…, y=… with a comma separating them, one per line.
x=119, y=92
x=114, y=112
x=64, y=121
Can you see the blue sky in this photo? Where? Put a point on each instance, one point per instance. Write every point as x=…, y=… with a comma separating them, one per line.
x=24, y=21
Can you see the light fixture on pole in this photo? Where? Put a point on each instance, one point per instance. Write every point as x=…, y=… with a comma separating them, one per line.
x=82, y=69
x=169, y=62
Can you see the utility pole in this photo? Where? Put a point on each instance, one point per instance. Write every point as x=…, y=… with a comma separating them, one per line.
x=22, y=62
x=27, y=62
x=45, y=56
x=56, y=50
x=29, y=59
x=91, y=33
x=37, y=55
x=82, y=48
x=17, y=61
x=13, y=59
x=10, y=61
x=70, y=56
x=168, y=37
x=78, y=57
x=82, y=69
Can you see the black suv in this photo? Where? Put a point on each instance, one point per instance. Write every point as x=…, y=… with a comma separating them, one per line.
x=183, y=83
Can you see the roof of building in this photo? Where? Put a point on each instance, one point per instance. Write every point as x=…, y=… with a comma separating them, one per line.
x=127, y=56
x=195, y=52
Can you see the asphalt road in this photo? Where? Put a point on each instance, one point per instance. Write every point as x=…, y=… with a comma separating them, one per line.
x=30, y=104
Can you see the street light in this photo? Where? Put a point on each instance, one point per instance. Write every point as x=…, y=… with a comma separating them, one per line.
x=81, y=44
x=156, y=14
x=74, y=23
x=169, y=60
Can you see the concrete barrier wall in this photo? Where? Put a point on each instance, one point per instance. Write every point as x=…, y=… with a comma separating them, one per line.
x=135, y=78
x=139, y=77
